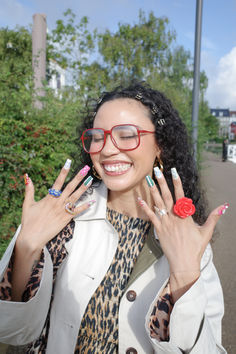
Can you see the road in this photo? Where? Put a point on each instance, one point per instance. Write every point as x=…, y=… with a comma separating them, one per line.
x=219, y=181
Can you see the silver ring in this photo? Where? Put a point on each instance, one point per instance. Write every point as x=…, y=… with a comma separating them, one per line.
x=160, y=212
x=70, y=208
x=54, y=192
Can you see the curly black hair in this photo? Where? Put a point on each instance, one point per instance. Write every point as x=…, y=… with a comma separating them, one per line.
x=171, y=137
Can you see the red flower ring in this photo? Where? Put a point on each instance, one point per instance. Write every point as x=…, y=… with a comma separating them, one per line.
x=184, y=207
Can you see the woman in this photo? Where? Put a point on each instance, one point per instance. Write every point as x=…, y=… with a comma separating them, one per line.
x=121, y=264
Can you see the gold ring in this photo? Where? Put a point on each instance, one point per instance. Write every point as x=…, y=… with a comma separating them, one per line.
x=70, y=208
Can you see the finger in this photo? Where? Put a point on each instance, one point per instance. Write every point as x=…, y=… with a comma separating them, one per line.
x=155, y=193
x=77, y=194
x=207, y=229
x=75, y=181
x=62, y=175
x=165, y=192
x=179, y=192
x=84, y=207
x=151, y=215
x=29, y=191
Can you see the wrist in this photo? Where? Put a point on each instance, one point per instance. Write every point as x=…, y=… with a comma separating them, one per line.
x=27, y=245
x=181, y=282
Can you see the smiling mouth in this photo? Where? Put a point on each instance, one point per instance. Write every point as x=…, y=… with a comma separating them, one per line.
x=118, y=168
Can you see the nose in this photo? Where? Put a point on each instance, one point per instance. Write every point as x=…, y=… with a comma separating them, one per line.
x=109, y=147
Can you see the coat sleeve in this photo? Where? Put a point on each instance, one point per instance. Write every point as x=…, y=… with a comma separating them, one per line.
x=22, y=322
x=195, y=320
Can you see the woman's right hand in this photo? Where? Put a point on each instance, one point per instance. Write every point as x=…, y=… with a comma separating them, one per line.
x=43, y=220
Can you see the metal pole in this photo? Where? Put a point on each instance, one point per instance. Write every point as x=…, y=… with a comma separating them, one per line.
x=197, y=52
x=39, y=55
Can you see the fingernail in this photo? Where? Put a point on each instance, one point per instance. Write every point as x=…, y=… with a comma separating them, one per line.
x=26, y=178
x=149, y=181
x=174, y=173
x=88, y=181
x=157, y=172
x=67, y=164
x=223, y=209
x=91, y=202
x=140, y=201
x=83, y=172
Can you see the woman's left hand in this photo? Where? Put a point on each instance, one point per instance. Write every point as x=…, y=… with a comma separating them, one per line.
x=181, y=239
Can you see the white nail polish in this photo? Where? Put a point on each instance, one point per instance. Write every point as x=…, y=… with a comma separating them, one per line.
x=67, y=164
x=174, y=173
x=157, y=172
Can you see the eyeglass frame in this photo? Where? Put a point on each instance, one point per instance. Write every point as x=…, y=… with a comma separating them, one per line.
x=112, y=139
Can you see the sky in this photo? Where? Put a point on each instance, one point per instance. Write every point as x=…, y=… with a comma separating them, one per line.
x=218, y=46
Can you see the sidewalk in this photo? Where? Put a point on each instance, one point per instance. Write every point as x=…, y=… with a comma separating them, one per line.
x=220, y=183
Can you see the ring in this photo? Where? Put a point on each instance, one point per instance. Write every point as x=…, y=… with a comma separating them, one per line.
x=184, y=207
x=161, y=212
x=70, y=208
x=54, y=192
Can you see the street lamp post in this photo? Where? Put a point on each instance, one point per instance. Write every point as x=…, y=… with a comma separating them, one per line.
x=196, y=79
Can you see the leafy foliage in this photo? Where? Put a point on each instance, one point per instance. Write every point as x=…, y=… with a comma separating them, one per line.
x=38, y=142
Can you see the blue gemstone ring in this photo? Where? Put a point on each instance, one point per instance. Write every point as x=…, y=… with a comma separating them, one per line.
x=54, y=192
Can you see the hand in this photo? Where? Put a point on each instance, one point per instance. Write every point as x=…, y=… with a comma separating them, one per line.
x=43, y=220
x=182, y=240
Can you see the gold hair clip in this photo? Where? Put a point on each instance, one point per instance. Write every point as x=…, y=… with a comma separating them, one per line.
x=154, y=109
x=139, y=96
x=161, y=122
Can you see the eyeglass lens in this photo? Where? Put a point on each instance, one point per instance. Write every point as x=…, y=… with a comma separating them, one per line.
x=125, y=137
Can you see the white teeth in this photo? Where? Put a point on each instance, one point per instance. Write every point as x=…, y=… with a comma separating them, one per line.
x=117, y=168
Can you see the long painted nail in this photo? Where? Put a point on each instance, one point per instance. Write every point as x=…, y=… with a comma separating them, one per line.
x=223, y=209
x=174, y=173
x=157, y=172
x=91, y=202
x=83, y=172
x=26, y=179
x=140, y=201
x=149, y=181
x=67, y=164
x=88, y=181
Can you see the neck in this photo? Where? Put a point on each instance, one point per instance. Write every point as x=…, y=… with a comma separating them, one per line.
x=127, y=202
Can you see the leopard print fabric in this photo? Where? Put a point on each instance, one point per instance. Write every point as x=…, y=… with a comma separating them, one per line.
x=99, y=327
x=58, y=253
x=159, y=319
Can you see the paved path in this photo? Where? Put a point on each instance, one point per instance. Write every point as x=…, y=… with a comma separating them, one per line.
x=220, y=183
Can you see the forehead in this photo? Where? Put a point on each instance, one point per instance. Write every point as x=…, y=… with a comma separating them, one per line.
x=122, y=111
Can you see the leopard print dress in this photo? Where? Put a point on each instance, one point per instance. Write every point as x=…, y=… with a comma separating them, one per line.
x=98, y=332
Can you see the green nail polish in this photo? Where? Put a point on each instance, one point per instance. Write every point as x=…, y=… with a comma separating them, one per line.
x=88, y=181
x=149, y=181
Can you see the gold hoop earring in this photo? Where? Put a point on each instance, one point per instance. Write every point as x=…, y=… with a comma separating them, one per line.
x=95, y=173
x=158, y=163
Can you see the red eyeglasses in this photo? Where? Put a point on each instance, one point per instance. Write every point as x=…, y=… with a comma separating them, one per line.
x=125, y=137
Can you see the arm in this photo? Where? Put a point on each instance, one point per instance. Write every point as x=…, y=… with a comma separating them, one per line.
x=195, y=320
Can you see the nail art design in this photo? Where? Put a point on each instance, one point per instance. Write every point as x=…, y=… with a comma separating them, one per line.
x=91, y=202
x=223, y=209
x=140, y=201
x=149, y=181
x=157, y=172
x=88, y=181
x=174, y=173
x=83, y=172
x=26, y=179
x=67, y=164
